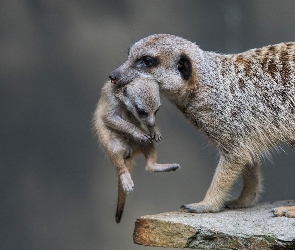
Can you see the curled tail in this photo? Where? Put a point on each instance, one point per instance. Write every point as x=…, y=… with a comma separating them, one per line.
x=120, y=202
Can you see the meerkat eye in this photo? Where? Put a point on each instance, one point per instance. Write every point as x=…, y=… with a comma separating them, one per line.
x=146, y=62
x=125, y=93
x=149, y=61
x=141, y=112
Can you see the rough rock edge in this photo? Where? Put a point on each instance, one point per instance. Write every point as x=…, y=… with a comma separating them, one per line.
x=181, y=230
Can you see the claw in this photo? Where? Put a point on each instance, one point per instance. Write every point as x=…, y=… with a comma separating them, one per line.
x=200, y=207
x=157, y=137
x=147, y=138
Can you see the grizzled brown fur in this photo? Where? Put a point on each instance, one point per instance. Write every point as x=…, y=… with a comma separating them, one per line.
x=244, y=103
x=124, y=122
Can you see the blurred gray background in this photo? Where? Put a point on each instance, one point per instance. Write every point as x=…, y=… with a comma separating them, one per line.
x=58, y=189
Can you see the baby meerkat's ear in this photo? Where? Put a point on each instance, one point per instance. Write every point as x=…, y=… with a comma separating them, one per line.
x=184, y=66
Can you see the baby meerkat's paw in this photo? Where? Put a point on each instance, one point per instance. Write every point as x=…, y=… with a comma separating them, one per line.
x=155, y=134
x=168, y=167
x=162, y=167
x=127, y=182
x=142, y=137
x=201, y=207
x=157, y=137
x=174, y=167
x=146, y=138
x=171, y=167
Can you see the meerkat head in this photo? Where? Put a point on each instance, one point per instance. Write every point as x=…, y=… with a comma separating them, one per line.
x=167, y=59
x=142, y=98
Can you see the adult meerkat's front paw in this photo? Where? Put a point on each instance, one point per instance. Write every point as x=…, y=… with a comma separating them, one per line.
x=201, y=207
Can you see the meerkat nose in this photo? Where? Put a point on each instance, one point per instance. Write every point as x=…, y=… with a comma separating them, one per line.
x=113, y=77
x=151, y=123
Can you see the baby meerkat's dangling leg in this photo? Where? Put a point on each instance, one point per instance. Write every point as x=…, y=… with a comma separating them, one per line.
x=122, y=194
x=123, y=166
x=118, y=155
x=151, y=161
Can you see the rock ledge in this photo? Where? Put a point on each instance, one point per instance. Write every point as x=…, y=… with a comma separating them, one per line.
x=250, y=228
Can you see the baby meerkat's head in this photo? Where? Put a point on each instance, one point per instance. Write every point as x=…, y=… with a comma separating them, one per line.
x=164, y=58
x=142, y=98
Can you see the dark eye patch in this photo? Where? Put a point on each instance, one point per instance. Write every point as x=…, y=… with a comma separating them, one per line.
x=141, y=112
x=146, y=62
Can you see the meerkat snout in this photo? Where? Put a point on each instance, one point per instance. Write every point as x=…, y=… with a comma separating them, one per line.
x=113, y=76
x=150, y=121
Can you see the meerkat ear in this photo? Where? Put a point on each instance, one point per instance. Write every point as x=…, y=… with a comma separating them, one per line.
x=184, y=66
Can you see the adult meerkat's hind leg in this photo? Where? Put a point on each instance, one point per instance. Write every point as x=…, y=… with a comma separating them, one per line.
x=252, y=187
x=151, y=161
x=225, y=175
x=288, y=211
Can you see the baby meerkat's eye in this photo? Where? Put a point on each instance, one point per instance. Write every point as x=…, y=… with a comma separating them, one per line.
x=125, y=93
x=141, y=112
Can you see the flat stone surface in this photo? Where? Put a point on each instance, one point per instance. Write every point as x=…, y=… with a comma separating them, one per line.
x=250, y=228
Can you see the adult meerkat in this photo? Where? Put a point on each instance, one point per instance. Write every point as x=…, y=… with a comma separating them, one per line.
x=244, y=103
x=124, y=122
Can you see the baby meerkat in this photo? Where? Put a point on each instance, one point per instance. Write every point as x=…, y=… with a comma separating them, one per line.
x=244, y=103
x=124, y=122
